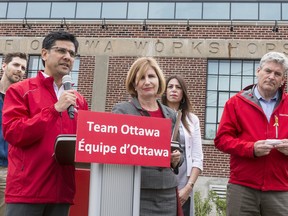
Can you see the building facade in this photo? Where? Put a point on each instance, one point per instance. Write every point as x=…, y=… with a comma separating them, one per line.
x=214, y=45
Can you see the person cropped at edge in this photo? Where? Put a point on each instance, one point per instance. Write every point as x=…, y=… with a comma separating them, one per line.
x=145, y=82
x=34, y=114
x=13, y=67
x=251, y=120
x=176, y=97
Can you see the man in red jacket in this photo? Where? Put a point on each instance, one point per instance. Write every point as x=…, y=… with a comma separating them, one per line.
x=34, y=114
x=14, y=66
x=253, y=130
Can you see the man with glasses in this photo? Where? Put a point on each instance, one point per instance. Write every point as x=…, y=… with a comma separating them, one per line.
x=34, y=114
x=13, y=68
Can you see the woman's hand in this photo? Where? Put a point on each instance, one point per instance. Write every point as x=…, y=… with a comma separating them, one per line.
x=184, y=194
x=175, y=158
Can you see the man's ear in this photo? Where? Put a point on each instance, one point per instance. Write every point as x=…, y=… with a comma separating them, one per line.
x=44, y=53
x=257, y=71
x=283, y=81
x=4, y=65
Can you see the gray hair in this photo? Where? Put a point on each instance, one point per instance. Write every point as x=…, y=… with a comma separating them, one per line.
x=276, y=57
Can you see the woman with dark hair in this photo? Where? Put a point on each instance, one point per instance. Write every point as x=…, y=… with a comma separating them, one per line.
x=176, y=97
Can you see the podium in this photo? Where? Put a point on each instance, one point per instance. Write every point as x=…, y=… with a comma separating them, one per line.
x=116, y=146
x=114, y=189
x=64, y=149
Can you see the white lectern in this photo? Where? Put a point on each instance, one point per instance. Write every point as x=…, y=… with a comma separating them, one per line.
x=114, y=189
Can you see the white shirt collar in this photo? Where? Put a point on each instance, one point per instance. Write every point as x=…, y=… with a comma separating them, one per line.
x=59, y=91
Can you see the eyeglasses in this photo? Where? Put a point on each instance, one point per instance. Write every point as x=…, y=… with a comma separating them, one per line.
x=63, y=51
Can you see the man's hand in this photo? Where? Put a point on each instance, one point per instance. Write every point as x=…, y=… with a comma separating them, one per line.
x=66, y=99
x=283, y=147
x=261, y=148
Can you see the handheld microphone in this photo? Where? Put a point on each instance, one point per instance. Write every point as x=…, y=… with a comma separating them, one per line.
x=66, y=82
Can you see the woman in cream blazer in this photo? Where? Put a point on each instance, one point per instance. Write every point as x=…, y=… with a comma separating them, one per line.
x=176, y=97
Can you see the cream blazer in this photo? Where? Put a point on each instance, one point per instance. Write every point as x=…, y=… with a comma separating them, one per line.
x=193, y=144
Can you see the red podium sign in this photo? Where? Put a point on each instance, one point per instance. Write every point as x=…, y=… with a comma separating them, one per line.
x=122, y=139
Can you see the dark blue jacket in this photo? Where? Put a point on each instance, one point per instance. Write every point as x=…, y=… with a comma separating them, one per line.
x=3, y=143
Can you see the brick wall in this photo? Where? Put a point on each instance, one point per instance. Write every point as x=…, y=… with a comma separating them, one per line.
x=86, y=75
x=216, y=164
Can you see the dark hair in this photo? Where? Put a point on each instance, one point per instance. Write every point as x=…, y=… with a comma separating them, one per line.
x=9, y=56
x=51, y=38
x=185, y=104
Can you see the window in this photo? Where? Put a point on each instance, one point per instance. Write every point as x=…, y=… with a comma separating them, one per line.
x=270, y=11
x=165, y=10
x=284, y=11
x=58, y=11
x=35, y=64
x=114, y=10
x=225, y=79
x=3, y=9
x=216, y=10
x=88, y=10
x=75, y=72
x=38, y=10
x=137, y=10
x=16, y=10
x=244, y=11
x=161, y=10
x=188, y=10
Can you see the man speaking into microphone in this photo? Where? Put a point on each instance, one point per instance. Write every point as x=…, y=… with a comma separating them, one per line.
x=35, y=112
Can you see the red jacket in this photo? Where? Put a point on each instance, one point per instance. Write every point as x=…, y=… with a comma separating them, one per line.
x=30, y=125
x=243, y=123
